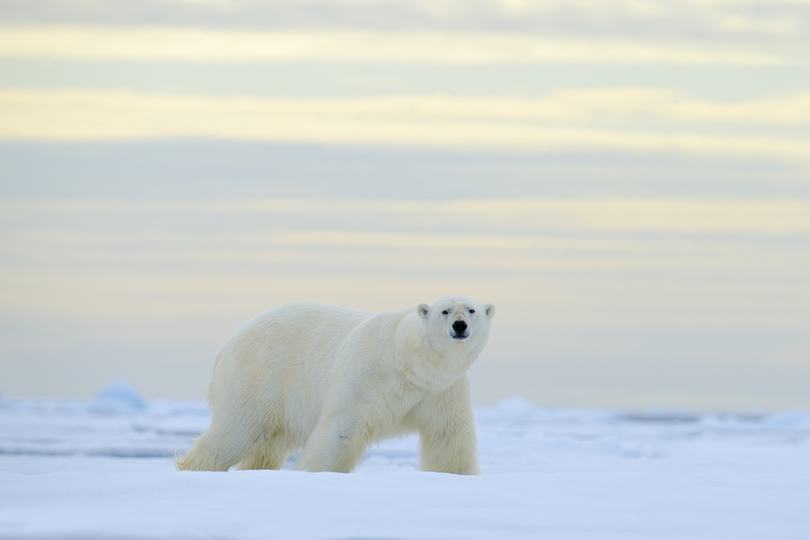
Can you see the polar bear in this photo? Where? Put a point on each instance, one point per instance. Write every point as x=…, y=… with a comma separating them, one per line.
x=331, y=381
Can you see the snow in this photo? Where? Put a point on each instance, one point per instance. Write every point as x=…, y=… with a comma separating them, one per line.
x=102, y=469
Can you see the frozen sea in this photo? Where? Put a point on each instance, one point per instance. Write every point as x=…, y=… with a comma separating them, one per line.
x=102, y=469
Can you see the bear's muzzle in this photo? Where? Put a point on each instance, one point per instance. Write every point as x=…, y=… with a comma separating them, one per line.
x=460, y=330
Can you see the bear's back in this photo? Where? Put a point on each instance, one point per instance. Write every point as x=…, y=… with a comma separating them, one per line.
x=306, y=328
x=287, y=344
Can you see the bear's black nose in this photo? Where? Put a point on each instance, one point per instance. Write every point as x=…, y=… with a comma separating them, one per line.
x=459, y=327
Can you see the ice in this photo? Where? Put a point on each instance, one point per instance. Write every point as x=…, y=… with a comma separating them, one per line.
x=790, y=420
x=118, y=396
x=103, y=469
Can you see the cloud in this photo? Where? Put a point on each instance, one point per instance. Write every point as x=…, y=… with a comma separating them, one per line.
x=627, y=119
x=671, y=216
x=607, y=262
x=764, y=21
x=340, y=45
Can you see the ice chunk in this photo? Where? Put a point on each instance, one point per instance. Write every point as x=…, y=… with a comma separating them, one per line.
x=117, y=396
x=516, y=407
x=790, y=419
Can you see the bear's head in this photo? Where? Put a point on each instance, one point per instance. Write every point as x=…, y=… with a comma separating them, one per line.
x=457, y=321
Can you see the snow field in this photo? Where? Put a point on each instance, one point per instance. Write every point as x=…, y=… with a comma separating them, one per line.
x=102, y=470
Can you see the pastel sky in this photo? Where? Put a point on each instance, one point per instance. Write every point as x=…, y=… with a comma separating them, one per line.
x=628, y=181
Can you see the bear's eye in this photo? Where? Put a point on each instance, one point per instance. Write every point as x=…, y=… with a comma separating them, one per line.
x=445, y=312
x=472, y=311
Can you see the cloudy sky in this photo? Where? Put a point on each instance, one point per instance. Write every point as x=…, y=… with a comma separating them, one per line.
x=628, y=181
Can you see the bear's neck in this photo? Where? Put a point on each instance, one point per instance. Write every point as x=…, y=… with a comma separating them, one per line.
x=423, y=363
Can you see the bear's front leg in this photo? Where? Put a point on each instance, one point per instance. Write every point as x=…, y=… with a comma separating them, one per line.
x=338, y=443
x=446, y=425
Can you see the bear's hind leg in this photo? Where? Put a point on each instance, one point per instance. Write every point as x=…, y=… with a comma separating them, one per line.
x=222, y=446
x=271, y=454
x=336, y=445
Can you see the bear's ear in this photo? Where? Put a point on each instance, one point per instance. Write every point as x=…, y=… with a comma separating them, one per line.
x=422, y=310
x=490, y=310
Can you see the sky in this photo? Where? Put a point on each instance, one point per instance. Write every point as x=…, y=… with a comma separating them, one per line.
x=627, y=181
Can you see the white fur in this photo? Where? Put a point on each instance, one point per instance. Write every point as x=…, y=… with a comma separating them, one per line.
x=332, y=381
